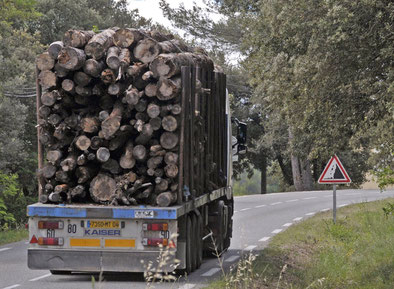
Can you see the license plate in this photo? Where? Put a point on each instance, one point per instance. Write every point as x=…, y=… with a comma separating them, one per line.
x=103, y=224
x=144, y=214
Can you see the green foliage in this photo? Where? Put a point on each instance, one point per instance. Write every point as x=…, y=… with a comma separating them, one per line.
x=12, y=202
x=385, y=177
x=388, y=209
x=17, y=12
x=13, y=235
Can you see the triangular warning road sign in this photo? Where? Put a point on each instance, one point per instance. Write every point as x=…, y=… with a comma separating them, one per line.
x=334, y=173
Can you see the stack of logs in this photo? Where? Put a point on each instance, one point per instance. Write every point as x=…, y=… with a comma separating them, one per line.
x=110, y=116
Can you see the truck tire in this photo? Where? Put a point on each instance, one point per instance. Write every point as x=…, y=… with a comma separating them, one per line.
x=59, y=272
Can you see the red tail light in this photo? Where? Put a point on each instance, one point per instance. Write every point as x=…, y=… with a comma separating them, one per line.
x=50, y=241
x=50, y=225
x=154, y=242
x=155, y=227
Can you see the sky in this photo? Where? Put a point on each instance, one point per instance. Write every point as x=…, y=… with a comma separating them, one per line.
x=151, y=9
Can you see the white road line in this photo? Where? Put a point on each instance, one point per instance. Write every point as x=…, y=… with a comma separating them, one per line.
x=310, y=214
x=4, y=249
x=287, y=224
x=245, y=209
x=289, y=201
x=260, y=206
x=325, y=210
x=264, y=239
x=276, y=231
x=277, y=203
x=187, y=286
x=297, y=219
x=310, y=198
x=235, y=212
x=250, y=248
x=12, y=286
x=232, y=258
x=340, y=206
x=40, y=277
x=210, y=272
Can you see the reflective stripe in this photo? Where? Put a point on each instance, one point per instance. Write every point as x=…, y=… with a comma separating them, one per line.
x=119, y=243
x=85, y=242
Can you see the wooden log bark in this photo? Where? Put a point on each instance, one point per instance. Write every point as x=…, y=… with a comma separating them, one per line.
x=82, y=142
x=44, y=61
x=53, y=156
x=171, y=158
x=113, y=60
x=77, y=38
x=118, y=141
x=48, y=171
x=161, y=185
x=103, y=154
x=54, y=49
x=99, y=44
x=139, y=152
x=132, y=96
x=47, y=79
x=78, y=192
x=49, y=98
x=82, y=159
x=55, y=197
x=61, y=71
x=81, y=78
x=84, y=174
x=112, y=166
x=171, y=171
x=154, y=162
x=111, y=125
x=169, y=123
x=115, y=88
x=151, y=89
x=54, y=119
x=96, y=142
x=166, y=199
x=146, y=50
x=90, y=124
x=137, y=69
x=68, y=85
x=127, y=160
x=102, y=188
x=155, y=123
x=125, y=58
x=106, y=101
x=71, y=58
x=168, y=88
x=69, y=164
x=141, y=105
x=62, y=177
x=83, y=91
x=108, y=76
x=93, y=67
x=153, y=110
x=126, y=37
x=168, y=140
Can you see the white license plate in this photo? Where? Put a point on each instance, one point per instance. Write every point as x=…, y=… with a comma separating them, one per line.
x=144, y=214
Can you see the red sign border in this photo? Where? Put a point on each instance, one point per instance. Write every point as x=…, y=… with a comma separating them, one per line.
x=347, y=178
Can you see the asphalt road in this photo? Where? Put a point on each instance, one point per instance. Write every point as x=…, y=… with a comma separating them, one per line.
x=257, y=218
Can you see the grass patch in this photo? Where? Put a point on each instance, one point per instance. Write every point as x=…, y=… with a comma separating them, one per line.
x=13, y=235
x=357, y=252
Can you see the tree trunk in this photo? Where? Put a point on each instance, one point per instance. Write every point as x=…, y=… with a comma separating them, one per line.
x=166, y=199
x=102, y=188
x=146, y=50
x=71, y=58
x=47, y=79
x=168, y=88
x=113, y=60
x=126, y=37
x=168, y=140
x=93, y=67
x=263, y=181
x=295, y=166
x=77, y=38
x=111, y=125
x=55, y=48
x=45, y=61
x=99, y=44
x=307, y=180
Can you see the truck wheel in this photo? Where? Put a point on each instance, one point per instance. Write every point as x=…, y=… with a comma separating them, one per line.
x=59, y=272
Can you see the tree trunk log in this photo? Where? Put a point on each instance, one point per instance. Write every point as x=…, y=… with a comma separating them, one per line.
x=49, y=98
x=103, y=154
x=71, y=58
x=53, y=156
x=146, y=50
x=47, y=79
x=169, y=123
x=81, y=78
x=90, y=124
x=126, y=160
x=171, y=171
x=93, y=67
x=113, y=60
x=151, y=89
x=111, y=125
x=168, y=88
x=139, y=152
x=78, y=192
x=171, y=158
x=126, y=37
x=68, y=85
x=168, y=140
x=48, y=171
x=55, y=48
x=82, y=143
x=125, y=58
x=44, y=61
x=112, y=166
x=166, y=199
x=99, y=44
x=102, y=188
x=132, y=96
x=77, y=38
x=155, y=123
x=69, y=164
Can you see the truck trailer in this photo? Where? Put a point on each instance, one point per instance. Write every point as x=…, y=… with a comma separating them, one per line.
x=89, y=237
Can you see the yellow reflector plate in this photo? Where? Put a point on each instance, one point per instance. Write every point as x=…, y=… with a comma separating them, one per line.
x=120, y=243
x=85, y=242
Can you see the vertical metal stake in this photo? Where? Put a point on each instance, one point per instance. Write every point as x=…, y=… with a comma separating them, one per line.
x=334, y=209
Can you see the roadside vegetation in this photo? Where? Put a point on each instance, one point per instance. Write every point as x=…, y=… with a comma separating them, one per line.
x=356, y=252
x=13, y=235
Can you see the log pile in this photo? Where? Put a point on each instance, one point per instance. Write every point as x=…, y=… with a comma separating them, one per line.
x=110, y=116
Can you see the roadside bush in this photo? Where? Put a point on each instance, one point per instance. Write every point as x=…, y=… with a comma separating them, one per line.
x=12, y=202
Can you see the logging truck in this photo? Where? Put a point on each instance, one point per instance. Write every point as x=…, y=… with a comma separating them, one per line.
x=151, y=190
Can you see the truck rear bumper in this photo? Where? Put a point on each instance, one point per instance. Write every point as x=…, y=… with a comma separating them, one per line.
x=95, y=261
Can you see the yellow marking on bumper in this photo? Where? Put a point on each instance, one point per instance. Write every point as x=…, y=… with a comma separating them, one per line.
x=119, y=243
x=85, y=242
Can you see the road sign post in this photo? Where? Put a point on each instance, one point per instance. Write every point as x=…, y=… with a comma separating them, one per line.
x=334, y=173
